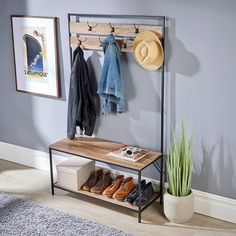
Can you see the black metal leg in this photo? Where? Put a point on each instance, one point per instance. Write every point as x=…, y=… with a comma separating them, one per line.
x=161, y=180
x=162, y=113
x=51, y=171
x=139, y=196
x=161, y=171
x=157, y=167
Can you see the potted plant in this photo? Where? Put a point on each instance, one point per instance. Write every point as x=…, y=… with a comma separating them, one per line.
x=179, y=199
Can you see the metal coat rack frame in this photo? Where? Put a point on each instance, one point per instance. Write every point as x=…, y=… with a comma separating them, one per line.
x=89, y=35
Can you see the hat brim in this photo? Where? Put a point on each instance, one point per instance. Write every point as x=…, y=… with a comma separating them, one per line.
x=144, y=36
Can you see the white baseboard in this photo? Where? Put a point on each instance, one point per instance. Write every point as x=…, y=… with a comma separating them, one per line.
x=205, y=203
x=215, y=206
x=27, y=156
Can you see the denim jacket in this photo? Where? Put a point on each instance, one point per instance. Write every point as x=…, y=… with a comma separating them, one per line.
x=111, y=85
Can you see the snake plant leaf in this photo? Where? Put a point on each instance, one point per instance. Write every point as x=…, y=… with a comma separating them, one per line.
x=179, y=165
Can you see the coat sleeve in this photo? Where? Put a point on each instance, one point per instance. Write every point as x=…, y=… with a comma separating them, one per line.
x=89, y=107
x=72, y=101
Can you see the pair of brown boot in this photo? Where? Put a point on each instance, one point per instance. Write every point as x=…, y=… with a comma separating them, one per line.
x=120, y=188
x=97, y=181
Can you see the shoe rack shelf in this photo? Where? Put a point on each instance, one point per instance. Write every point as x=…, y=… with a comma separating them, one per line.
x=156, y=195
x=97, y=149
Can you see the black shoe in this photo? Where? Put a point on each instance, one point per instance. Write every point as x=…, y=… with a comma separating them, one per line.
x=146, y=195
x=134, y=194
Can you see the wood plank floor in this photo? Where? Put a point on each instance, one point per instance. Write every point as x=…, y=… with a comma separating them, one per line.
x=32, y=184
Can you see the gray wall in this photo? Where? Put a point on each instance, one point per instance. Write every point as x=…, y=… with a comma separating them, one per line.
x=200, y=84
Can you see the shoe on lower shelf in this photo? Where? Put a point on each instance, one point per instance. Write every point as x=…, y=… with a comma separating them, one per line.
x=126, y=187
x=92, y=180
x=110, y=190
x=134, y=194
x=146, y=195
x=104, y=181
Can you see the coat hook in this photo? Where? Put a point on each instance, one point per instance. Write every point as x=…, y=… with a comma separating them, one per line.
x=136, y=29
x=90, y=27
x=80, y=41
x=125, y=43
x=100, y=45
x=112, y=28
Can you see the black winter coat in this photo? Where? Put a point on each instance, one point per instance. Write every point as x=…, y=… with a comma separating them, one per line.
x=81, y=105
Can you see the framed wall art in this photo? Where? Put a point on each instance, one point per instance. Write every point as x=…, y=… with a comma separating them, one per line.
x=36, y=55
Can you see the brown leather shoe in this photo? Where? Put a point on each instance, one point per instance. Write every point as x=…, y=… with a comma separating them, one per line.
x=92, y=180
x=125, y=188
x=104, y=181
x=109, y=191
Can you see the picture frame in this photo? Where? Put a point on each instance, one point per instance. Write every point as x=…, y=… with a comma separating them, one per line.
x=35, y=50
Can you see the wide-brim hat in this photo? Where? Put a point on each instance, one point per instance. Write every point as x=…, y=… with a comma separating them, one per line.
x=148, y=50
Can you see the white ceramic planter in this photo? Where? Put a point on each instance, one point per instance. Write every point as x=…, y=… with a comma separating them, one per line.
x=178, y=209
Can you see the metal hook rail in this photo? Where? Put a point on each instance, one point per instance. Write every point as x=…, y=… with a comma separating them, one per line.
x=125, y=33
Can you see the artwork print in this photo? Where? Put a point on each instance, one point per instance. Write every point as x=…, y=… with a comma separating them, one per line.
x=35, y=54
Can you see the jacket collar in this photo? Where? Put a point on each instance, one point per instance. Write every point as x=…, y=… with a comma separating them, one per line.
x=109, y=40
x=78, y=51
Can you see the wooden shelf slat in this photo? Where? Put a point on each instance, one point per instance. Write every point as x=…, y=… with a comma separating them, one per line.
x=94, y=43
x=97, y=149
x=104, y=198
x=121, y=30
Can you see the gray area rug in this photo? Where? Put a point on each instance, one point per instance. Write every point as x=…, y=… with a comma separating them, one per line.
x=22, y=218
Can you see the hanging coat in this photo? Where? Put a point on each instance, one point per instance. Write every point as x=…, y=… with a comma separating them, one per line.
x=81, y=105
x=111, y=85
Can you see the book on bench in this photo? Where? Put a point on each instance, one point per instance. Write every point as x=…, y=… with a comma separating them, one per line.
x=129, y=153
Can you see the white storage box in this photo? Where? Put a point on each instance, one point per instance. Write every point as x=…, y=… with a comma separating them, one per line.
x=74, y=172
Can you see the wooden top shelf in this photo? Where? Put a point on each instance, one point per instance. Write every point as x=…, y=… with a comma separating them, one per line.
x=97, y=149
x=121, y=30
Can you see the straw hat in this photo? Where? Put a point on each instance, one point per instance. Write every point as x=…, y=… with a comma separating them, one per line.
x=148, y=51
